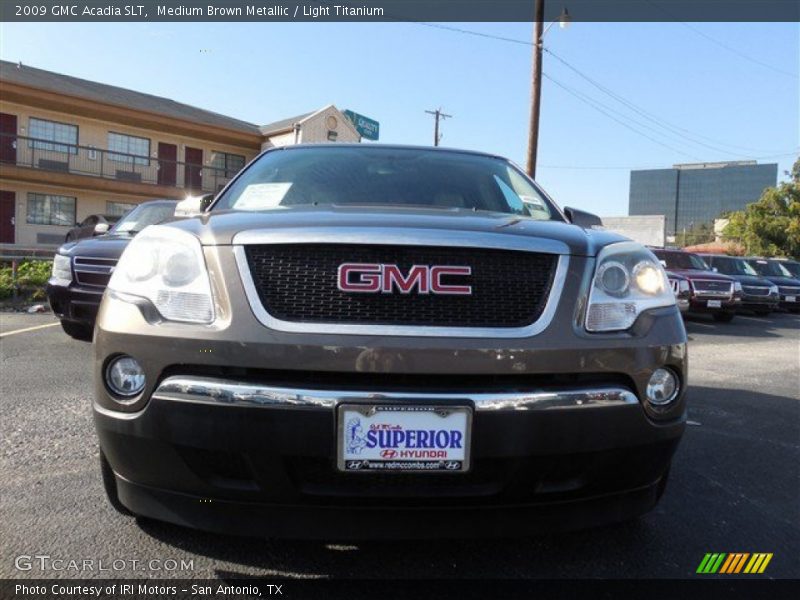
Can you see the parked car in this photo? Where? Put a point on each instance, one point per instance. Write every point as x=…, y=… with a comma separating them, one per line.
x=777, y=273
x=759, y=294
x=791, y=265
x=91, y=226
x=682, y=290
x=382, y=341
x=711, y=293
x=81, y=269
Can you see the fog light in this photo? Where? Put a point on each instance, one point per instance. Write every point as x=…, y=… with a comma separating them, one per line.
x=125, y=376
x=662, y=387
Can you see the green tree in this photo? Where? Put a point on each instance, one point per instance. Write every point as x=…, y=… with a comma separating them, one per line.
x=771, y=226
x=697, y=234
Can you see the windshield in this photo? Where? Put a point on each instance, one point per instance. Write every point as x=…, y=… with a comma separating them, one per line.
x=395, y=177
x=770, y=268
x=682, y=260
x=733, y=266
x=142, y=216
x=793, y=268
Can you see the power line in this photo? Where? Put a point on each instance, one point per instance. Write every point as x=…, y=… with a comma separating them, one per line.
x=688, y=134
x=646, y=114
x=738, y=52
x=670, y=135
x=594, y=105
x=713, y=40
x=645, y=167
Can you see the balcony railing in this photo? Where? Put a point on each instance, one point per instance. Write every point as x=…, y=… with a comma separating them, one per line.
x=52, y=156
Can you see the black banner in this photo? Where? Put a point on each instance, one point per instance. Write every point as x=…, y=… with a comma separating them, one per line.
x=733, y=588
x=396, y=10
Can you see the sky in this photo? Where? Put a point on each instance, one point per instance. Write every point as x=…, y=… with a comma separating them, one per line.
x=616, y=96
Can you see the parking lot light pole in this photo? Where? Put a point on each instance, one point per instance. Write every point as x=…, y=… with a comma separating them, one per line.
x=536, y=78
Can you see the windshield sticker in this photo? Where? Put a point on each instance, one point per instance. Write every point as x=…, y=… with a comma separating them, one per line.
x=261, y=196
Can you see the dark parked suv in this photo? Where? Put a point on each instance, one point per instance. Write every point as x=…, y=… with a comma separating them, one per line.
x=710, y=293
x=758, y=293
x=381, y=341
x=788, y=286
x=81, y=270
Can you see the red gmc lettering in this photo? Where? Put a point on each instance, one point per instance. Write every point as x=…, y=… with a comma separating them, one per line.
x=437, y=287
x=417, y=277
x=378, y=278
x=368, y=277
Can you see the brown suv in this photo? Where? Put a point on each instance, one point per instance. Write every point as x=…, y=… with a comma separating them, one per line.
x=379, y=341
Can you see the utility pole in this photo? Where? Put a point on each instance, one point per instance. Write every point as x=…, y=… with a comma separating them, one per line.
x=437, y=116
x=536, y=87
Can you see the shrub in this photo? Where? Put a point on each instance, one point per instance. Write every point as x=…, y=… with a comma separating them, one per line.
x=31, y=277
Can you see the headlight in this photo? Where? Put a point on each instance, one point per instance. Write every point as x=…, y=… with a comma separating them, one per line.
x=628, y=280
x=773, y=290
x=166, y=266
x=683, y=286
x=737, y=286
x=62, y=271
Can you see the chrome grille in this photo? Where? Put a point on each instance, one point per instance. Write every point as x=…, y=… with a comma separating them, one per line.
x=93, y=272
x=298, y=283
x=789, y=291
x=712, y=288
x=752, y=290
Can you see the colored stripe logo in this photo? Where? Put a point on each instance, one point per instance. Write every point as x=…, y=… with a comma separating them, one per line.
x=734, y=563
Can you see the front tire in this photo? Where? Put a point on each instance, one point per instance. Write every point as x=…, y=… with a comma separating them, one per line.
x=77, y=331
x=110, y=486
x=723, y=317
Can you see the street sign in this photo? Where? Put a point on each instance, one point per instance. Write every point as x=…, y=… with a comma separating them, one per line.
x=368, y=128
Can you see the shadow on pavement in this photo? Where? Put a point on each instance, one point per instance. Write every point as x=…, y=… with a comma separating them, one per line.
x=743, y=325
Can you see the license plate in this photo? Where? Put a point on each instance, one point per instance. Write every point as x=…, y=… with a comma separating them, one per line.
x=715, y=304
x=403, y=438
x=791, y=298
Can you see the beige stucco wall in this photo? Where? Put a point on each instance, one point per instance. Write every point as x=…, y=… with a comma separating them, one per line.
x=92, y=132
x=87, y=203
x=315, y=130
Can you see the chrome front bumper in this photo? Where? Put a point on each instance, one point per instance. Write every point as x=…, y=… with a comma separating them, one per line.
x=221, y=392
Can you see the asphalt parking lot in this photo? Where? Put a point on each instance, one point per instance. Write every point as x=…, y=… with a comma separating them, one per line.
x=735, y=483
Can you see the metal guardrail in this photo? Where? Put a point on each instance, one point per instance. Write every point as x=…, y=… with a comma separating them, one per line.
x=58, y=157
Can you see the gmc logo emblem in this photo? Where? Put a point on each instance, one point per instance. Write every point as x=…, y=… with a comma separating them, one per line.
x=373, y=278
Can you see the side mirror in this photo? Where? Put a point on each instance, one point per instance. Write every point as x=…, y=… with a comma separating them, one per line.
x=193, y=206
x=101, y=229
x=581, y=218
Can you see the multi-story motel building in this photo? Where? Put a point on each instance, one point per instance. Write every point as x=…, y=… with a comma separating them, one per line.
x=72, y=148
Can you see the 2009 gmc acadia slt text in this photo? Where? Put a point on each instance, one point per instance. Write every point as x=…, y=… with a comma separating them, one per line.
x=378, y=341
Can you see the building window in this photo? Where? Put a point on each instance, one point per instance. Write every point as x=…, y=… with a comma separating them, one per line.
x=136, y=150
x=118, y=208
x=45, y=133
x=49, y=209
x=231, y=164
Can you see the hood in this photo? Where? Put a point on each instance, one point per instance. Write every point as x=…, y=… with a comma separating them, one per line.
x=102, y=246
x=783, y=281
x=219, y=228
x=674, y=275
x=696, y=274
x=751, y=280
